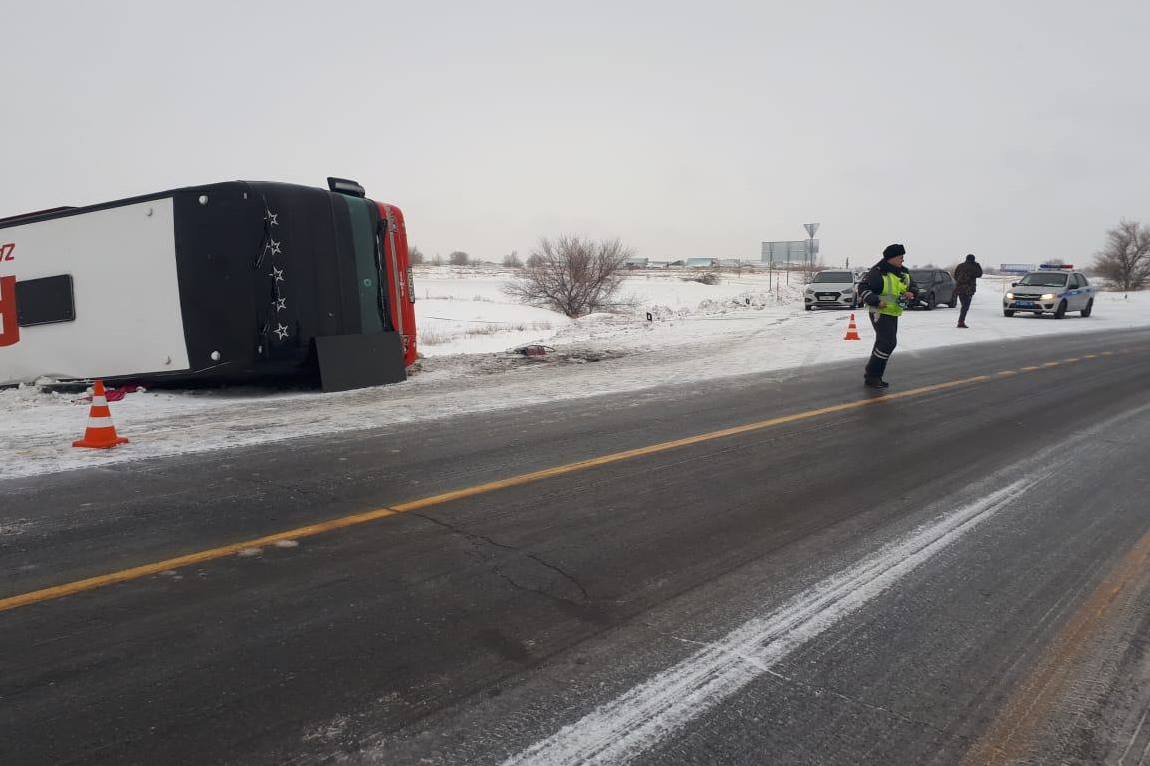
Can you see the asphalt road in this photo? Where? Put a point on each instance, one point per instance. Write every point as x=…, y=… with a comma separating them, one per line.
x=955, y=572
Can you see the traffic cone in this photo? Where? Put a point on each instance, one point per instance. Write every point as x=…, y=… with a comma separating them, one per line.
x=852, y=330
x=101, y=434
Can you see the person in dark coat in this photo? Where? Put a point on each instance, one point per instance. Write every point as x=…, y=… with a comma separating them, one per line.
x=966, y=277
x=886, y=290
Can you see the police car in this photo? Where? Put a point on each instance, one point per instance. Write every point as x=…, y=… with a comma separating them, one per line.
x=1053, y=289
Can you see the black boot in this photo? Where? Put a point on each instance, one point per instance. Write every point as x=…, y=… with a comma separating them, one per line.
x=878, y=383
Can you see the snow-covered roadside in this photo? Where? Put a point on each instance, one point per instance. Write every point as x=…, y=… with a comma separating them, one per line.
x=698, y=333
x=464, y=310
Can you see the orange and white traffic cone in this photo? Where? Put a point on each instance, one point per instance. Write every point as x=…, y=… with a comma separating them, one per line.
x=101, y=433
x=852, y=330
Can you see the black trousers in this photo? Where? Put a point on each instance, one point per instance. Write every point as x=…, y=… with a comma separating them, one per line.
x=885, y=339
x=965, y=301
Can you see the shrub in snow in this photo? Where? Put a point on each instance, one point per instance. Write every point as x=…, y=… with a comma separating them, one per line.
x=711, y=306
x=662, y=313
x=572, y=275
x=754, y=299
x=1125, y=261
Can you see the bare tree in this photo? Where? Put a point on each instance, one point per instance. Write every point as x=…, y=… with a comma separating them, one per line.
x=1125, y=260
x=571, y=274
x=415, y=255
x=459, y=258
x=806, y=271
x=437, y=260
x=512, y=260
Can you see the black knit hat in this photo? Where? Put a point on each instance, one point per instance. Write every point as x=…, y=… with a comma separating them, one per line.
x=970, y=258
x=893, y=251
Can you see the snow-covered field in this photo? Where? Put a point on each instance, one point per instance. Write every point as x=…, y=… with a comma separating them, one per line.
x=467, y=327
x=464, y=311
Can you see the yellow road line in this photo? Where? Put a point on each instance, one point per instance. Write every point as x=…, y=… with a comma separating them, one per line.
x=135, y=573
x=1030, y=369
x=617, y=457
x=1015, y=730
x=311, y=530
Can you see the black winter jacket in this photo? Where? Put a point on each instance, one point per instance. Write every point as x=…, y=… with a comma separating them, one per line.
x=966, y=275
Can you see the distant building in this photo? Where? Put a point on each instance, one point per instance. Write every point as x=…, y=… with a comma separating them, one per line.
x=701, y=263
x=658, y=264
x=739, y=263
x=635, y=263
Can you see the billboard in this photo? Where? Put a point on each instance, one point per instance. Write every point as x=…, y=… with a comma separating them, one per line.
x=791, y=251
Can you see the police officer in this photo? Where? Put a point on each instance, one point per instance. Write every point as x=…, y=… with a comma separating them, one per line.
x=886, y=290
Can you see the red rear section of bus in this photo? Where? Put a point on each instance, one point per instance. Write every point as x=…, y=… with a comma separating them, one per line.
x=401, y=290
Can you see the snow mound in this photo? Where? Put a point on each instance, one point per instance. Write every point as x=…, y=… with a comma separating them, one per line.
x=601, y=317
x=664, y=313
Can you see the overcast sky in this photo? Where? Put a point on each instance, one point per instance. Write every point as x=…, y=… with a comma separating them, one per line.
x=1014, y=130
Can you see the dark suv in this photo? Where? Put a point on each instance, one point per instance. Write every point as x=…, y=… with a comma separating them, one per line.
x=935, y=286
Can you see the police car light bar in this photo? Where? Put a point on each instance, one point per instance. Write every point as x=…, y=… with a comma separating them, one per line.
x=1057, y=266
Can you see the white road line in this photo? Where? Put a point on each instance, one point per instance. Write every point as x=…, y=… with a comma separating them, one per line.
x=642, y=717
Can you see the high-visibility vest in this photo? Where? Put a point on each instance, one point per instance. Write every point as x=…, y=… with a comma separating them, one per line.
x=893, y=286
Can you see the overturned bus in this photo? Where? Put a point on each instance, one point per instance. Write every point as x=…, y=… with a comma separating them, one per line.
x=229, y=282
